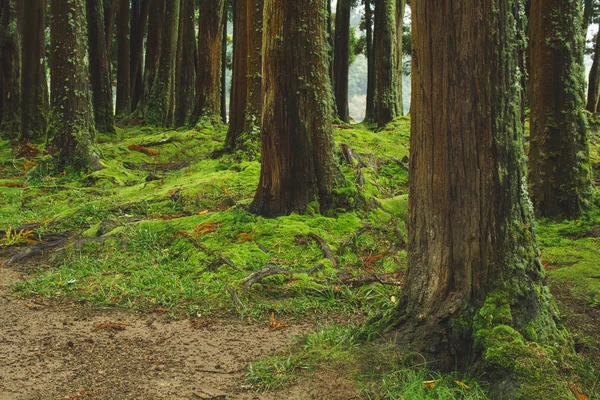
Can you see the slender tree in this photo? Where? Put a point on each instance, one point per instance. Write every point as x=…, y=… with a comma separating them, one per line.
x=474, y=281
x=186, y=66
x=400, y=9
x=559, y=164
x=99, y=69
x=139, y=23
x=153, y=48
x=341, y=58
x=370, y=110
x=208, y=82
x=71, y=128
x=297, y=164
x=123, y=103
x=239, y=85
x=385, y=48
x=110, y=12
x=224, y=65
x=161, y=105
x=10, y=69
x=594, y=80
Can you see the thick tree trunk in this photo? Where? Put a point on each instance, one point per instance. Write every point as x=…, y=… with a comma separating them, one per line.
x=123, y=103
x=161, y=105
x=208, y=81
x=341, y=58
x=474, y=281
x=34, y=87
x=224, y=69
x=72, y=124
x=186, y=67
x=239, y=85
x=297, y=164
x=400, y=8
x=139, y=23
x=559, y=161
x=10, y=69
x=153, y=48
x=385, y=53
x=594, y=80
x=370, y=111
x=99, y=69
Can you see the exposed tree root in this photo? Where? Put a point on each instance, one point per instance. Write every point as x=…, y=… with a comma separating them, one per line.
x=325, y=248
x=270, y=270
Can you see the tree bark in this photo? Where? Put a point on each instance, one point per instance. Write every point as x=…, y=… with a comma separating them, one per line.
x=594, y=80
x=385, y=53
x=239, y=85
x=370, y=111
x=161, y=105
x=474, y=278
x=110, y=12
x=400, y=8
x=559, y=161
x=99, y=69
x=588, y=11
x=224, y=68
x=186, y=68
x=72, y=125
x=139, y=23
x=341, y=58
x=297, y=164
x=153, y=49
x=123, y=103
x=208, y=82
x=10, y=74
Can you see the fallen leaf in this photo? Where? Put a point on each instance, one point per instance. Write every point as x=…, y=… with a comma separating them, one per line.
x=575, y=389
x=429, y=384
x=463, y=385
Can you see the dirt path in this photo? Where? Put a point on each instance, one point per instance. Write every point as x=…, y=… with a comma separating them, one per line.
x=50, y=351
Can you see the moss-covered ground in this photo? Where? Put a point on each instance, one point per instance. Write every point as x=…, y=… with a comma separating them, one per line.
x=174, y=236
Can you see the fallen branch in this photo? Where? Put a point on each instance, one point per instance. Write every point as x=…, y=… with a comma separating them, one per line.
x=374, y=278
x=326, y=250
x=214, y=253
x=270, y=270
x=401, y=164
x=160, y=142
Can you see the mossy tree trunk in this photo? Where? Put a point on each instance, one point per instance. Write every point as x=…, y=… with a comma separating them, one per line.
x=474, y=277
x=341, y=58
x=10, y=69
x=400, y=9
x=186, y=66
x=208, y=82
x=594, y=81
x=224, y=65
x=385, y=51
x=71, y=128
x=99, y=69
x=139, y=22
x=559, y=164
x=161, y=105
x=153, y=49
x=370, y=111
x=297, y=164
x=123, y=102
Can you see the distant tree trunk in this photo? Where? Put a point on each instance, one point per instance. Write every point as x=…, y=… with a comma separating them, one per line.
x=139, y=22
x=10, y=74
x=246, y=100
x=99, y=69
x=370, y=111
x=153, y=48
x=72, y=124
x=161, y=106
x=341, y=58
x=330, y=40
x=385, y=53
x=208, y=81
x=297, y=163
x=559, y=160
x=186, y=67
x=34, y=86
x=110, y=12
x=400, y=8
x=474, y=281
x=123, y=61
x=224, y=70
x=594, y=81
x=588, y=12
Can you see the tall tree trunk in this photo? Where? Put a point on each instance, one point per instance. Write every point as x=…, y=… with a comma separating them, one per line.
x=385, y=53
x=123, y=60
x=559, y=161
x=153, y=49
x=161, y=106
x=139, y=23
x=72, y=124
x=370, y=111
x=110, y=13
x=186, y=67
x=99, y=69
x=34, y=86
x=594, y=80
x=330, y=40
x=400, y=8
x=208, y=81
x=341, y=58
x=588, y=12
x=474, y=280
x=224, y=69
x=239, y=85
x=297, y=164
x=10, y=74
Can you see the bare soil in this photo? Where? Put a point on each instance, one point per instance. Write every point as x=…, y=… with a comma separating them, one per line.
x=51, y=350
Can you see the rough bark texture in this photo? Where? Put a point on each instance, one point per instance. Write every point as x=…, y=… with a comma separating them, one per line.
x=474, y=281
x=341, y=58
x=594, y=81
x=10, y=69
x=161, y=105
x=71, y=127
x=208, y=82
x=123, y=102
x=400, y=8
x=370, y=111
x=110, y=13
x=385, y=49
x=186, y=66
x=153, y=48
x=139, y=23
x=297, y=165
x=224, y=68
x=559, y=165
x=99, y=69
x=239, y=84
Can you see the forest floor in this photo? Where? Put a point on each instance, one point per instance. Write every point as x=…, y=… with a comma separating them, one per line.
x=132, y=282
